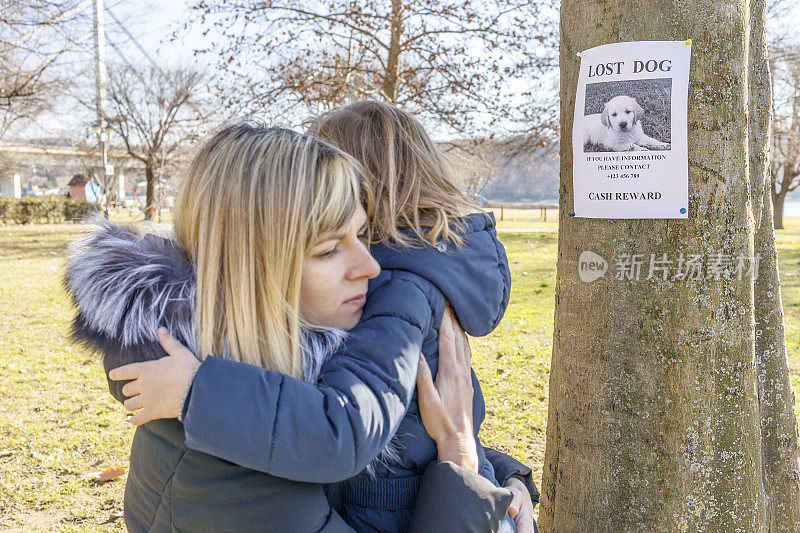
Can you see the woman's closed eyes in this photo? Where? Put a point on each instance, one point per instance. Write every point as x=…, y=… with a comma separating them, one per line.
x=363, y=236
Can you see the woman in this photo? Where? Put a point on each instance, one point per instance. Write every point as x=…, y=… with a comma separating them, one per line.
x=255, y=205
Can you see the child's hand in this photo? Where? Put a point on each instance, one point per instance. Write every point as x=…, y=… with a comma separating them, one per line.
x=158, y=387
x=521, y=507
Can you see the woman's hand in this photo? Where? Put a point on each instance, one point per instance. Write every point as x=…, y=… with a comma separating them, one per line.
x=158, y=387
x=446, y=405
x=521, y=508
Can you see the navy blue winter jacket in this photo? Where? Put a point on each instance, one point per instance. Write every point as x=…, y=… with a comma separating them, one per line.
x=475, y=279
x=404, y=309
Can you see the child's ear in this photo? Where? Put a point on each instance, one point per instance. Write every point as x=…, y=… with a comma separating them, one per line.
x=604, y=118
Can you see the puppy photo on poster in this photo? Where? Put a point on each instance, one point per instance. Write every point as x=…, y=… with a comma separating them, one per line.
x=631, y=115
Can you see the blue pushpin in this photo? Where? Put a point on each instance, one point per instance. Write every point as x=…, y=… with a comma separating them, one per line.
x=683, y=210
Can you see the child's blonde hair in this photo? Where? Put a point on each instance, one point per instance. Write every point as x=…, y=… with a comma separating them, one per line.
x=253, y=201
x=413, y=184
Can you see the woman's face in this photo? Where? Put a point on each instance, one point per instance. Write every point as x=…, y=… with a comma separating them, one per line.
x=333, y=286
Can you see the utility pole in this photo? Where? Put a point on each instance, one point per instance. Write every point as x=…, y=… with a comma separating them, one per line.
x=102, y=129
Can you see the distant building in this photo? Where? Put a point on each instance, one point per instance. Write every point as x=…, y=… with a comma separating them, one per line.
x=77, y=187
x=10, y=187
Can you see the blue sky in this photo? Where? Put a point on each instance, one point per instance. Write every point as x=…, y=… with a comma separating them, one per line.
x=151, y=23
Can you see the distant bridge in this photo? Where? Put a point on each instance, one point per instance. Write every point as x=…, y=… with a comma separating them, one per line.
x=26, y=155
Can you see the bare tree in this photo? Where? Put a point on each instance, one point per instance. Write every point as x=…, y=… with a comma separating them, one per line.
x=516, y=167
x=473, y=162
x=785, y=161
x=779, y=33
x=24, y=95
x=156, y=112
x=464, y=64
x=33, y=37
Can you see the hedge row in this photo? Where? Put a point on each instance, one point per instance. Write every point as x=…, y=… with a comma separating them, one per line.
x=32, y=210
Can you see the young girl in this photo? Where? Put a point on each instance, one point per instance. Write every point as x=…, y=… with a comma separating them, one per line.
x=427, y=237
x=256, y=213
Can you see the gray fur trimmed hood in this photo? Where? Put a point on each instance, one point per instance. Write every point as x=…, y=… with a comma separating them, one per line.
x=125, y=285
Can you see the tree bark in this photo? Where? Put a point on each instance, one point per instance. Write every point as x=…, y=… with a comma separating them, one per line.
x=150, y=198
x=392, y=70
x=779, y=453
x=777, y=206
x=670, y=406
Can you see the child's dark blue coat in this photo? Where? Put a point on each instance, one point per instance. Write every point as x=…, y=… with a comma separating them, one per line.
x=475, y=280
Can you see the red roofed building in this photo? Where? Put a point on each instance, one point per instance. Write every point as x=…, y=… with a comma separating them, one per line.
x=77, y=187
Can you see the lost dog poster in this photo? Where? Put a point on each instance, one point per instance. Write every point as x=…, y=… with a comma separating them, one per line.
x=629, y=136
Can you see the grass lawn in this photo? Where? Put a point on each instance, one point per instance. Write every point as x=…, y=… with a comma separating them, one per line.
x=58, y=424
x=510, y=220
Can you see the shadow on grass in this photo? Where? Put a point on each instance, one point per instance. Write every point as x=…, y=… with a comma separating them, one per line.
x=32, y=250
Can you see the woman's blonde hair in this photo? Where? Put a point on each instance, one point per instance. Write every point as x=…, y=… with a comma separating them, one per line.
x=413, y=183
x=252, y=202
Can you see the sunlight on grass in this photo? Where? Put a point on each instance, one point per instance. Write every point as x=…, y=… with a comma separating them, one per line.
x=58, y=423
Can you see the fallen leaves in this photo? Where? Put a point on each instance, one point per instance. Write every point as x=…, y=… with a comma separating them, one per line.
x=107, y=475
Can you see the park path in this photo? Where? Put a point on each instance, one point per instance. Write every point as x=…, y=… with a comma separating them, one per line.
x=526, y=230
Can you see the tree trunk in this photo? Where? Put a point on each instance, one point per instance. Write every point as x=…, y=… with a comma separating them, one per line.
x=392, y=70
x=670, y=404
x=779, y=453
x=777, y=210
x=150, y=177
